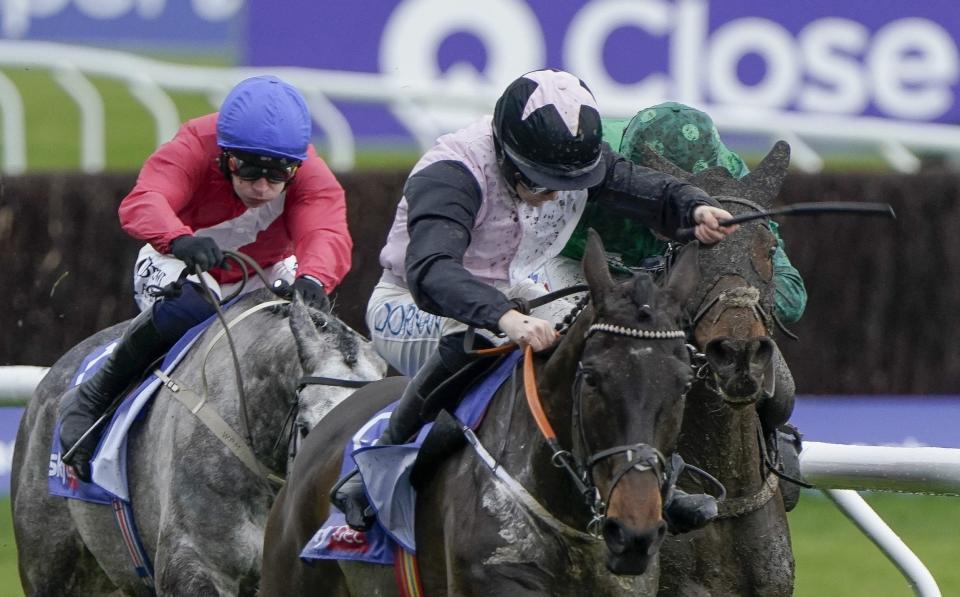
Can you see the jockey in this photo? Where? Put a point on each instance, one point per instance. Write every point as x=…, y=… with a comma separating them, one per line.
x=245, y=178
x=688, y=138
x=482, y=210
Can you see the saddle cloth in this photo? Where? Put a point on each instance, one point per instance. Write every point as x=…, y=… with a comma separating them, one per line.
x=109, y=464
x=386, y=473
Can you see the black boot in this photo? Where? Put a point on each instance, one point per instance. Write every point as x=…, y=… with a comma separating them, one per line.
x=348, y=494
x=83, y=405
x=782, y=440
x=789, y=446
x=687, y=512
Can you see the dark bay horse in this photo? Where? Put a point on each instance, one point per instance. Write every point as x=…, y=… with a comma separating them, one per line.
x=613, y=391
x=200, y=510
x=746, y=551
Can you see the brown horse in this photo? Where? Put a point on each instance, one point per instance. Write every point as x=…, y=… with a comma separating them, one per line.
x=746, y=551
x=502, y=516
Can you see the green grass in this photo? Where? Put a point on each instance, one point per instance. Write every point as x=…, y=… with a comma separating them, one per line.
x=53, y=129
x=833, y=558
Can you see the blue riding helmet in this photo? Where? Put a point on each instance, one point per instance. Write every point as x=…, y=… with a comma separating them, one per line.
x=265, y=116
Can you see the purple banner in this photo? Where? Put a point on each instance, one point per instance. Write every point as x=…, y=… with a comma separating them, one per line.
x=868, y=420
x=882, y=58
x=9, y=422
x=207, y=25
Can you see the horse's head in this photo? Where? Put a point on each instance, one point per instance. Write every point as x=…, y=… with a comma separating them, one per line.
x=627, y=401
x=334, y=355
x=732, y=308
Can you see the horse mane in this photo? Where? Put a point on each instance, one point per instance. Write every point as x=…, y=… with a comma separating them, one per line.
x=348, y=341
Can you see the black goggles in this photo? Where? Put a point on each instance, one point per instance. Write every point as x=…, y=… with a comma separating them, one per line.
x=251, y=168
x=531, y=188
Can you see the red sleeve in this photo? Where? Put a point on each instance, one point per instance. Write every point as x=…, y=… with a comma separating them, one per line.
x=167, y=183
x=316, y=217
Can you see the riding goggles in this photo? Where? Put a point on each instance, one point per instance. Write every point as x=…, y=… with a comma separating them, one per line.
x=253, y=167
x=530, y=186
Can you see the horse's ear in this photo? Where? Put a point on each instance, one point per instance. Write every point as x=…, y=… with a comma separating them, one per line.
x=770, y=172
x=685, y=274
x=309, y=342
x=652, y=159
x=595, y=268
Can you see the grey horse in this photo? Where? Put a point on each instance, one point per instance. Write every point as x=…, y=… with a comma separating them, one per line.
x=200, y=510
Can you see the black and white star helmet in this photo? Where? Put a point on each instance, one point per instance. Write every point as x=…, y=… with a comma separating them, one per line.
x=548, y=125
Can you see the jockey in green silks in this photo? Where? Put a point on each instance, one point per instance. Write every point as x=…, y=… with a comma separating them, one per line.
x=688, y=138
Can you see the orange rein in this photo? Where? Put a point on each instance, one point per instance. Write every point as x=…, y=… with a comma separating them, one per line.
x=529, y=385
x=533, y=397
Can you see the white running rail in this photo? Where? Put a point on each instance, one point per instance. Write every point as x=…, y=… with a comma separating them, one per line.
x=424, y=109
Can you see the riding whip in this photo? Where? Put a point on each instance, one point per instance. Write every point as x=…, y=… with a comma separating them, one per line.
x=821, y=207
x=803, y=209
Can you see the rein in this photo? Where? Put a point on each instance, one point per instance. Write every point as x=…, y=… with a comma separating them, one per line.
x=196, y=403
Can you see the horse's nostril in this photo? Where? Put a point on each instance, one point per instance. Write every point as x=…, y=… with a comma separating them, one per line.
x=721, y=353
x=764, y=349
x=613, y=534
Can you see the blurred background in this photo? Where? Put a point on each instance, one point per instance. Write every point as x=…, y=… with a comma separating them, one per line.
x=866, y=93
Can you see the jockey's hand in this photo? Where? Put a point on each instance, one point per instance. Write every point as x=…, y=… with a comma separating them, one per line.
x=312, y=292
x=708, y=229
x=198, y=253
x=526, y=329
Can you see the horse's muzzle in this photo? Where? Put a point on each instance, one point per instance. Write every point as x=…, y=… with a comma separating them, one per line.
x=630, y=552
x=739, y=367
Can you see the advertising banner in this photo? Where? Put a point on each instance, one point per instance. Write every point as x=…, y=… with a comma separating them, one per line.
x=209, y=25
x=880, y=58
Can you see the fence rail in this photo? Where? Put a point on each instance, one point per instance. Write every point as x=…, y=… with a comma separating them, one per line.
x=425, y=109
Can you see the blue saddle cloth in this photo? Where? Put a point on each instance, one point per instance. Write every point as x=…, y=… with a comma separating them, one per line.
x=109, y=464
x=386, y=474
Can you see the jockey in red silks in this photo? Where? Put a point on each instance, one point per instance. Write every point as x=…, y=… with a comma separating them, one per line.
x=483, y=210
x=243, y=179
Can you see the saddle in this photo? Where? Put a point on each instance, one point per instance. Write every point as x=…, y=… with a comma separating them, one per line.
x=445, y=436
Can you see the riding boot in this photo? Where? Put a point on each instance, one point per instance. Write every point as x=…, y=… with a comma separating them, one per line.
x=782, y=440
x=348, y=494
x=84, y=405
x=687, y=512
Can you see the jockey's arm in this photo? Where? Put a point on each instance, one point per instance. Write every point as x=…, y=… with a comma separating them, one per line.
x=656, y=199
x=444, y=199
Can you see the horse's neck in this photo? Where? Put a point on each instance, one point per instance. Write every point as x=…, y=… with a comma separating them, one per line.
x=512, y=436
x=269, y=368
x=722, y=440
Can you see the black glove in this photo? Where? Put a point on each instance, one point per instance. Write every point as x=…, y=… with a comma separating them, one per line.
x=312, y=292
x=197, y=252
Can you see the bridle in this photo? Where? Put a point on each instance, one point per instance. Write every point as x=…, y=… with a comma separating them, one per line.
x=578, y=462
x=739, y=297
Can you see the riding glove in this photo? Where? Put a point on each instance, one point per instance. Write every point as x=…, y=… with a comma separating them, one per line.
x=312, y=292
x=197, y=252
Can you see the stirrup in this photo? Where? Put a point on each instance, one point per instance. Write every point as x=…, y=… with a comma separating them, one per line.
x=349, y=497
